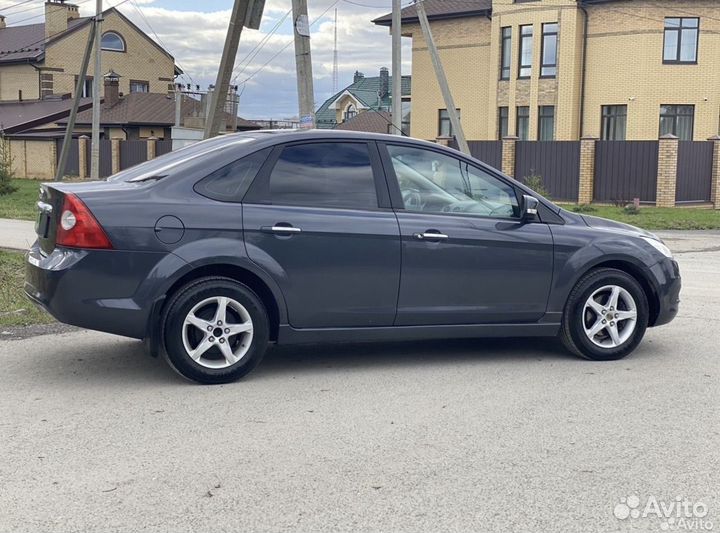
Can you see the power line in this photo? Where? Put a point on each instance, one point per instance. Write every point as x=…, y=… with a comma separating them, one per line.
x=259, y=46
x=288, y=44
x=20, y=4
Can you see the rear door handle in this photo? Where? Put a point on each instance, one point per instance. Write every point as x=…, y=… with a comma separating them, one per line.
x=431, y=235
x=282, y=228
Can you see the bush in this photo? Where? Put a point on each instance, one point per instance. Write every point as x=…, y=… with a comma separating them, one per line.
x=584, y=208
x=631, y=209
x=537, y=184
x=6, y=170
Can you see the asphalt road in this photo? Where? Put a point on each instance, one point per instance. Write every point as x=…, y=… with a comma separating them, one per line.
x=447, y=436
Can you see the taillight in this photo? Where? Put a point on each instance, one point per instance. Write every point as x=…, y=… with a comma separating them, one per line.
x=78, y=228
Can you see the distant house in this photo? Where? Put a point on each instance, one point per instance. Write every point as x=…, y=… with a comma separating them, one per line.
x=37, y=60
x=370, y=121
x=365, y=94
x=143, y=115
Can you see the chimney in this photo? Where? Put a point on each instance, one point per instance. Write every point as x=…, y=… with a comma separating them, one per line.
x=112, y=89
x=358, y=76
x=384, y=82
x=2, y=22
x=57, y=15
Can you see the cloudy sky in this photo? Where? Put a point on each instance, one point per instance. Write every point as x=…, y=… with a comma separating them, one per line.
x=194, y=31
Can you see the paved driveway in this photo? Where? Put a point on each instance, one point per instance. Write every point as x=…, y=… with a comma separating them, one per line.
x=444, y=436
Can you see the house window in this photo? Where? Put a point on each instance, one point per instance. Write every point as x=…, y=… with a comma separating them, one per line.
x=139, y=86
x=445, y=127
x=406, y=116
x=113, y=42
x=681, y=40
x=506, y=53
x=614, y=122
x=87, y=88
x=526, y=51
x=350, y=112
x=549, y=50
x=503, y=122
x=523, y=123
x=546, y=123
x=677, y=120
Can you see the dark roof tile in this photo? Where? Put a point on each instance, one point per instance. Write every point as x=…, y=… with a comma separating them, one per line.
x=439, y=9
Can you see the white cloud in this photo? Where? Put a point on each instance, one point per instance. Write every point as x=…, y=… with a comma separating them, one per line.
x=196, y=38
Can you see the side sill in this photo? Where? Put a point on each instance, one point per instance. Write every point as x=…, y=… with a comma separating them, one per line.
x=289, y=335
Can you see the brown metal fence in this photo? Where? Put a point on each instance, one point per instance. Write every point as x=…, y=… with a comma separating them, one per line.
x=625, y=170
x=163, y=147
x=489, y=152
x=72, y=166
x=558, y=163
x=694, y=177
x=105, y=158
x=132, y=153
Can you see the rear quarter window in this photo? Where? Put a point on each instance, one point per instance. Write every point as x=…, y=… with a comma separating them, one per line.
x=231, y=182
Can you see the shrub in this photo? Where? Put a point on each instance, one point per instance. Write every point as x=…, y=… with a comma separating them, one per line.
x=584, y=208
x=536, y=183
x=631, y=209
x=6, y=170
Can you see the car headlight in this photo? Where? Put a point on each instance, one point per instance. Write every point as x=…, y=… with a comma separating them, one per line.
x=659, y=246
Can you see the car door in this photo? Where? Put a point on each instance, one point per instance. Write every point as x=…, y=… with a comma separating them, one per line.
x=467, y=258
x=318, y=218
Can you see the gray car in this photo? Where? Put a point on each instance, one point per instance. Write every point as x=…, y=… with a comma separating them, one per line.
x=214, y=251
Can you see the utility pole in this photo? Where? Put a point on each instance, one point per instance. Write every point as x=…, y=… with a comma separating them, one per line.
x=336, y=75
x=397, y=67
x=303, y=64
x=97, y=80
x=247, y=13
x=65, y=150
x=442, y=79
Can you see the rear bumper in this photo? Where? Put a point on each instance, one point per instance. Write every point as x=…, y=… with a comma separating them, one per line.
x=93, y=289
x=669, y=284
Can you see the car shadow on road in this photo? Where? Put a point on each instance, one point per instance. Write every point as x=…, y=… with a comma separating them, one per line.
x=317, y=357
x=126, y=361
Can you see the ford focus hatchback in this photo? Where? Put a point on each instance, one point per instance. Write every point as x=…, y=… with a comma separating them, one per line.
x=214, y=251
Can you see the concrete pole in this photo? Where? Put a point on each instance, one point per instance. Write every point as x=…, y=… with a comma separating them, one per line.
x=65, y=150
x=397, y=67
x=178, y=106
x=303, y=64
x=222, y=84
x=442, y=79
x=97, y=80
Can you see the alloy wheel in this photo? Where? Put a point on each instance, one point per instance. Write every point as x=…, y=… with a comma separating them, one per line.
x=610, y=316
x=217, y=332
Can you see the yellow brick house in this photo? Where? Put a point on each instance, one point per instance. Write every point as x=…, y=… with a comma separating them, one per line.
x=38, y=60
x=565, y=69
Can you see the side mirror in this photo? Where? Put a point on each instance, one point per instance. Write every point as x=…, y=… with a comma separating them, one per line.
x=529, y=208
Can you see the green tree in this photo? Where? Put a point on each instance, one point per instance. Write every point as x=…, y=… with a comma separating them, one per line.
x=6, y=166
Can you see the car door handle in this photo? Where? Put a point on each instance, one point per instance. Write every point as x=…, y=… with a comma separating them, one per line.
x=431, y=235
x=278, y=228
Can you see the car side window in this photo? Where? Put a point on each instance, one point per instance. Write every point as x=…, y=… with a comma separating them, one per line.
x=336, y=175
x=431, y=182
x=231, y=182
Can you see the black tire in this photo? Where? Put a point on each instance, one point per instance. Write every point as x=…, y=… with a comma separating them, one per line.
x=194, y=294
x=575, y=316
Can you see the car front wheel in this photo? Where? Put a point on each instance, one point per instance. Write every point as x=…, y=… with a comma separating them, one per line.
x=606, y=315
x=215, y=330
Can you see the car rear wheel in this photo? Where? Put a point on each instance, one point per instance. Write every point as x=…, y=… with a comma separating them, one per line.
x=606, y=315
x=215, y=330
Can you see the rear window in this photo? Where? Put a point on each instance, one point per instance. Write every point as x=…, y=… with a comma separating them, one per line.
x=335, y=174
x=230, y=183
x=166, y=164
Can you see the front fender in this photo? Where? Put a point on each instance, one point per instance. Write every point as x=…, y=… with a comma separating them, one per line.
x=575, y=256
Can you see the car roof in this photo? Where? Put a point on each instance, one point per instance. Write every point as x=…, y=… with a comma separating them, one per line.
x=283, y=136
